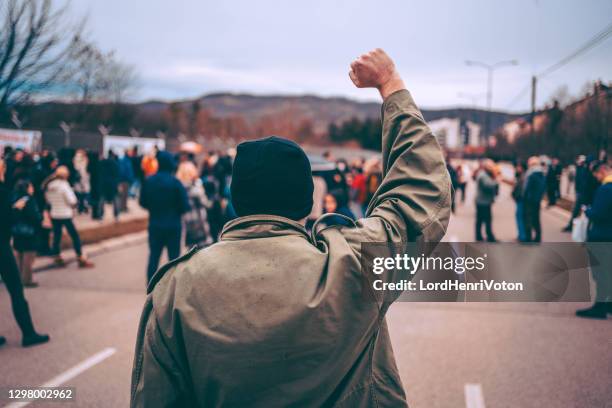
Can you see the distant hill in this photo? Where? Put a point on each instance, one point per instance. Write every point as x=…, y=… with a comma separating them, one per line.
x=321, y=110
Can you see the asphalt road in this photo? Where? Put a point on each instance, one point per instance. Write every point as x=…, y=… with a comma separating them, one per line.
x=449, y=355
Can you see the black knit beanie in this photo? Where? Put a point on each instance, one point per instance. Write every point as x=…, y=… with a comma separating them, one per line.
x=272, y=176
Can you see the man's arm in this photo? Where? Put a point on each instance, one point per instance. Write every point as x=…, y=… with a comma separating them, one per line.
x=413, y=201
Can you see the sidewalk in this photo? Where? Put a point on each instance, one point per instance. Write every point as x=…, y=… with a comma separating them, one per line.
x=101, y=235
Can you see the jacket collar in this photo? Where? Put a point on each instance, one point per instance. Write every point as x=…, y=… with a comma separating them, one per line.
x=261, y=226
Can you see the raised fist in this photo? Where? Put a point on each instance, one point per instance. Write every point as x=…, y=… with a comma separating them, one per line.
x=375, y=69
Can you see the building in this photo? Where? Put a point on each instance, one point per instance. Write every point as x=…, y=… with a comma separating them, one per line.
x=455, y=134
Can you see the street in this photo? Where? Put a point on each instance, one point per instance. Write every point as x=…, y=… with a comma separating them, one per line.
x=449, y=355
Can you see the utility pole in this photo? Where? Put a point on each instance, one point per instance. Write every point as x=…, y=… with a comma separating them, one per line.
x=534, y=83
x=490, y=69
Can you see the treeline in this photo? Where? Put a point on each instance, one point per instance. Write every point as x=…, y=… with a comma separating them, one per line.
x=366, y=132
x=583, y=127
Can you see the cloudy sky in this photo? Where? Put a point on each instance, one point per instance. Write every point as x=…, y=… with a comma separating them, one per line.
x=186, y=48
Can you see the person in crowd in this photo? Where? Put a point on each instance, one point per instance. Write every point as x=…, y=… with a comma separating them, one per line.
x=338, y=210
x=126, y=178
x=358, y=186
x=517, y=195
x=272, y=299
x=27, y=220
x=82, y=185
x=136, y=160
x=462, y=178
x=600, y=231
x=109, y=179
x=197, y=230
x=96, y=200
x=9, y=271
x=62, y=200
x=149, y=163
x=585, y=186
x=571, y=178
x=165, y=198
x=46, y=167
x=373, y=175
x=533, y=190
x=486, y=190
x=553, y=181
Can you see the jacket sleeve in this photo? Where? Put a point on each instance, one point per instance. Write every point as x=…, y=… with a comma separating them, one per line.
x=156, y=379
x=69, y=196
x=413, y=200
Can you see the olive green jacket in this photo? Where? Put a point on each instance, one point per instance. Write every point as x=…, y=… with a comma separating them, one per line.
x=272, y=316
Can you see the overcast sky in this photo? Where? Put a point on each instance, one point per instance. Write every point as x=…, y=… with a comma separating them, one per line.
x=186, y=48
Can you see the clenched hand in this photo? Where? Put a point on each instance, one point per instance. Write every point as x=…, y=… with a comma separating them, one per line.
x=376, y=69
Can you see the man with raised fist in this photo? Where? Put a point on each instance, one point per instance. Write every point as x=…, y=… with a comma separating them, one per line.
x=273, y=315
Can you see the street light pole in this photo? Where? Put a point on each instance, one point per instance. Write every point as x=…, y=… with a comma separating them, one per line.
x=490, y=69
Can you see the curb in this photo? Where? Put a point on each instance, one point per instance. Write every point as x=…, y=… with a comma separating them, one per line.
x=92, y=250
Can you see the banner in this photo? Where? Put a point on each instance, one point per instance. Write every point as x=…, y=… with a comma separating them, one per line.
x=28, y=140
x=118, y=144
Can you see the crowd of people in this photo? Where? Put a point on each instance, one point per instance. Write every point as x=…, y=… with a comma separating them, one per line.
x=188, y=198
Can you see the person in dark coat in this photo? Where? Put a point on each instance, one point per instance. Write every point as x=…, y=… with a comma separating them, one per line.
x=599, y=237
x=95, y=184
x=553, y=180
x=109, y=179
x=27, y=220
x=533, y=191
x=10, y=273
x=164, y=196
x=585, y=186
x=336, y=206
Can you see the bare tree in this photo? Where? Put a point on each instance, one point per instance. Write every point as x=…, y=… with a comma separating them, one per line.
x=120, y=79
x=37, y=40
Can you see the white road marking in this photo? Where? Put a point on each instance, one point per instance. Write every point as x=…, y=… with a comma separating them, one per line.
x=473, y=396
x=71, y=373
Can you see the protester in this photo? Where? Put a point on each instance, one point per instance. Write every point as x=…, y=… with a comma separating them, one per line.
x=149, y=164
x=126, y=178
x=533, y=192
x=197, y=230
x=27, y=220
x=10, y=273
x=462, y=178
x=82, y=186
x=338, y=210
x=517, y=195
x=585, y=186
x=109, y=179
x=244, y=322
x=136, y=159
x=487, y=188
x=600, y=216
x=166, y=199
x=95, y=186
x=46, y=167
x=553, y=181
x=62, y=201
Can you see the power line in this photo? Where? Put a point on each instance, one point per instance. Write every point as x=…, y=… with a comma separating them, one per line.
x=596, y=39
x=599, y=37
x=519, y=96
